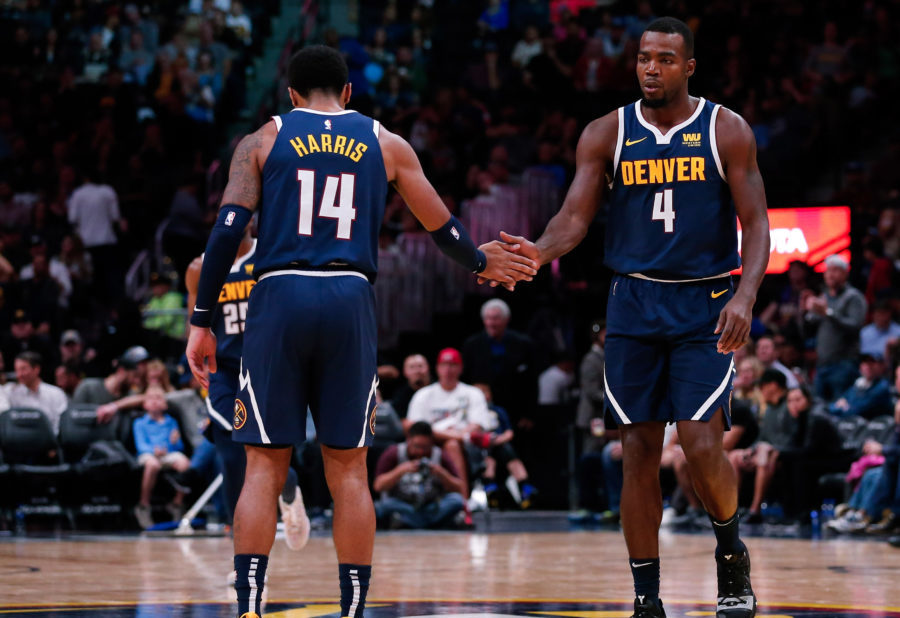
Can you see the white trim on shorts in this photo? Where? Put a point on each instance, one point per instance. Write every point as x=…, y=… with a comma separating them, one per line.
x=615, y=404
x=315, y=273
x=646, y=278
x=216, y=416
x=245, y=383
x=716, y=393
x=362, y=438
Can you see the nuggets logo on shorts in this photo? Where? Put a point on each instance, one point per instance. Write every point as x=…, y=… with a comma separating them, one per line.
x=372, y=420
x=240, y=414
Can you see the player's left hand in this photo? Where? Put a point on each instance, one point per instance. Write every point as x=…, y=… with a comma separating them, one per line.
x=734, y=324
x=505, y=265
x=201, y=354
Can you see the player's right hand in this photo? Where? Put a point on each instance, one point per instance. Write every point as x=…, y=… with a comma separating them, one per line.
x=506, y=265
x=201, y=354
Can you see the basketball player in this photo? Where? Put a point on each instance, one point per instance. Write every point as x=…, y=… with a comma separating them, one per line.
x=319, y=176
x=228, y=326
x=679, y=167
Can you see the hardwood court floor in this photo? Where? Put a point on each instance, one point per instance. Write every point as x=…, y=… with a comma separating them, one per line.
x=568, y=566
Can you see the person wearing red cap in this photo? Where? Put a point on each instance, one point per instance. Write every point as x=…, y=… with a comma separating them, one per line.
x=457, y=412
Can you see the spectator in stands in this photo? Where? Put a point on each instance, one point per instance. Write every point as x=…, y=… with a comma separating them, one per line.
x=503, y=359
x=767, y=354
x=239, y=24
x=94, y=212
x=45, y=265
x=419, y=484
x=31, y=392
x=24, y=337
x=417, y=374
x=555, y=383
x=870, y=395
x=838, y=316
x=164, y=311
x=879, y=282
x=457, y=412
x=746, y=385
x=592, y=396
x=874, y=337
x=109, y=391
x=78, y=262
x=67, y=377
x=71, y=350
x=527, y=48
x=159, y=447
x=775, y=433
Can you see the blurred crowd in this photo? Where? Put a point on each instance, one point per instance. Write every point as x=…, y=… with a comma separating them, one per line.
x=112, y=116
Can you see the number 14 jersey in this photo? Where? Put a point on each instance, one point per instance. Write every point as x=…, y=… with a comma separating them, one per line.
x=671, y=215
x=323, y=193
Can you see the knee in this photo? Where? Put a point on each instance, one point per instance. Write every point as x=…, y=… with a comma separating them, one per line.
x=152, y=464
x=702, y=451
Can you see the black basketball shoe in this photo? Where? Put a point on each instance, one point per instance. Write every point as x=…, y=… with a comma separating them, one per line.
x=648, y=608
x=736, y=598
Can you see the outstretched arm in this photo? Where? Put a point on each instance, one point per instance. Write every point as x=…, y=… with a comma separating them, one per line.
x=737, y=149
x=494, y=260
x=569, y=226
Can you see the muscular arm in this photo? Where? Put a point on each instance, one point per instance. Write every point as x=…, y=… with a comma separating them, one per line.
x=737, y=151
x=244, y=186
x=594, y=154
x=191, y=280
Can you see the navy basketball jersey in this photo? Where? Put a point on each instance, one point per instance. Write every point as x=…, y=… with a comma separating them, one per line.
x=231, y=312
x=323, y=193
x=671, y=215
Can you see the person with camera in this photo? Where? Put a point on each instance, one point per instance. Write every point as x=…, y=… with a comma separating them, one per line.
x=419, y=485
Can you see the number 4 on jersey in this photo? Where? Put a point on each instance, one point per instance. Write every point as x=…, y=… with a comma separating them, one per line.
x=663, y=210
x=337, y=189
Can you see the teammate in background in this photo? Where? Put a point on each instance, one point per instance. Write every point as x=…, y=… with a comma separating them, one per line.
x=319, y=176
x=678, y=168
x=228, y=325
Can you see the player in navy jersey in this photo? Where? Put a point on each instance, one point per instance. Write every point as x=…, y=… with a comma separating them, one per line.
x=318, y=175
x=678, y=169
x=228, y=326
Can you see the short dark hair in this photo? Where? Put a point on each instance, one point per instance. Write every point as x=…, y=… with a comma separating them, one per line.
x=32, y=358
x=318, y=67
x=771, y=376
x=421, y=428
x=672, y=25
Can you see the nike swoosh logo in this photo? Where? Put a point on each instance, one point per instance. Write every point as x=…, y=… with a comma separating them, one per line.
x=196, y=308
x=637, y=566
x=717, y=294
x=629, y=142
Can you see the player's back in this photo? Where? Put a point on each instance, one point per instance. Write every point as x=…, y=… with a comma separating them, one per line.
x=323, y=193
x=231, y=311
x=671, y=213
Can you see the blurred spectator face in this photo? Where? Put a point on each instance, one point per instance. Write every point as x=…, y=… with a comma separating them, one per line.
x=881, y=317
x=771, y=392
x=531, y=34
x=887, y=222
x=22, y=328
x=418, y=447
x=765, y=351
x=415, y=370
x=789, y=354
x=485, y=181
x=897, y=379
x=835, y=277
x=66, y=379
x=137, y=40
x=486, y=390
x=495, y=322
x=155, y=400
x=379, y=38
x=96, y=42
x=41, y=267
x=797, y=275
x=448, y=374
x=747, y=374
x=830, y=32
x=594, y=48
x=871, y=369
x=797, y=403
x=27, y=374
x=237, y=8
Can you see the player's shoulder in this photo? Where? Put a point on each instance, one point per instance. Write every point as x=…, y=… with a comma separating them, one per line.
x=603, y=128
x=731, y=125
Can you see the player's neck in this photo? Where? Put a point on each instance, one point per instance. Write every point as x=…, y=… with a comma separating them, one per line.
x=322, y=104
x=671, y=114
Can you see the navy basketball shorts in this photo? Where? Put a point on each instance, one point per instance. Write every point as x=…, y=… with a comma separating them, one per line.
x=661, y=358
x=223, y=386
x=310, y=340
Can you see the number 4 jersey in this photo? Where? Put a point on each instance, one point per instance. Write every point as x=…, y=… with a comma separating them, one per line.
x=323, y=193
x=671, y=215
x=231, y=313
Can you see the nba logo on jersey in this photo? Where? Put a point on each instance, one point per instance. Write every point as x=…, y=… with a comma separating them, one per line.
x=230, y=218
x=454, y=232
x=328, y=125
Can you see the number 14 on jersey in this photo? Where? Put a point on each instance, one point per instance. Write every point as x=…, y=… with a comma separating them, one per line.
x=337, y=202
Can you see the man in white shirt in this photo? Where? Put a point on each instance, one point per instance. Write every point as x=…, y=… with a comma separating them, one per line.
x=768, y=356
x=31, y=392
x=57, y=270
x=457, y=412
